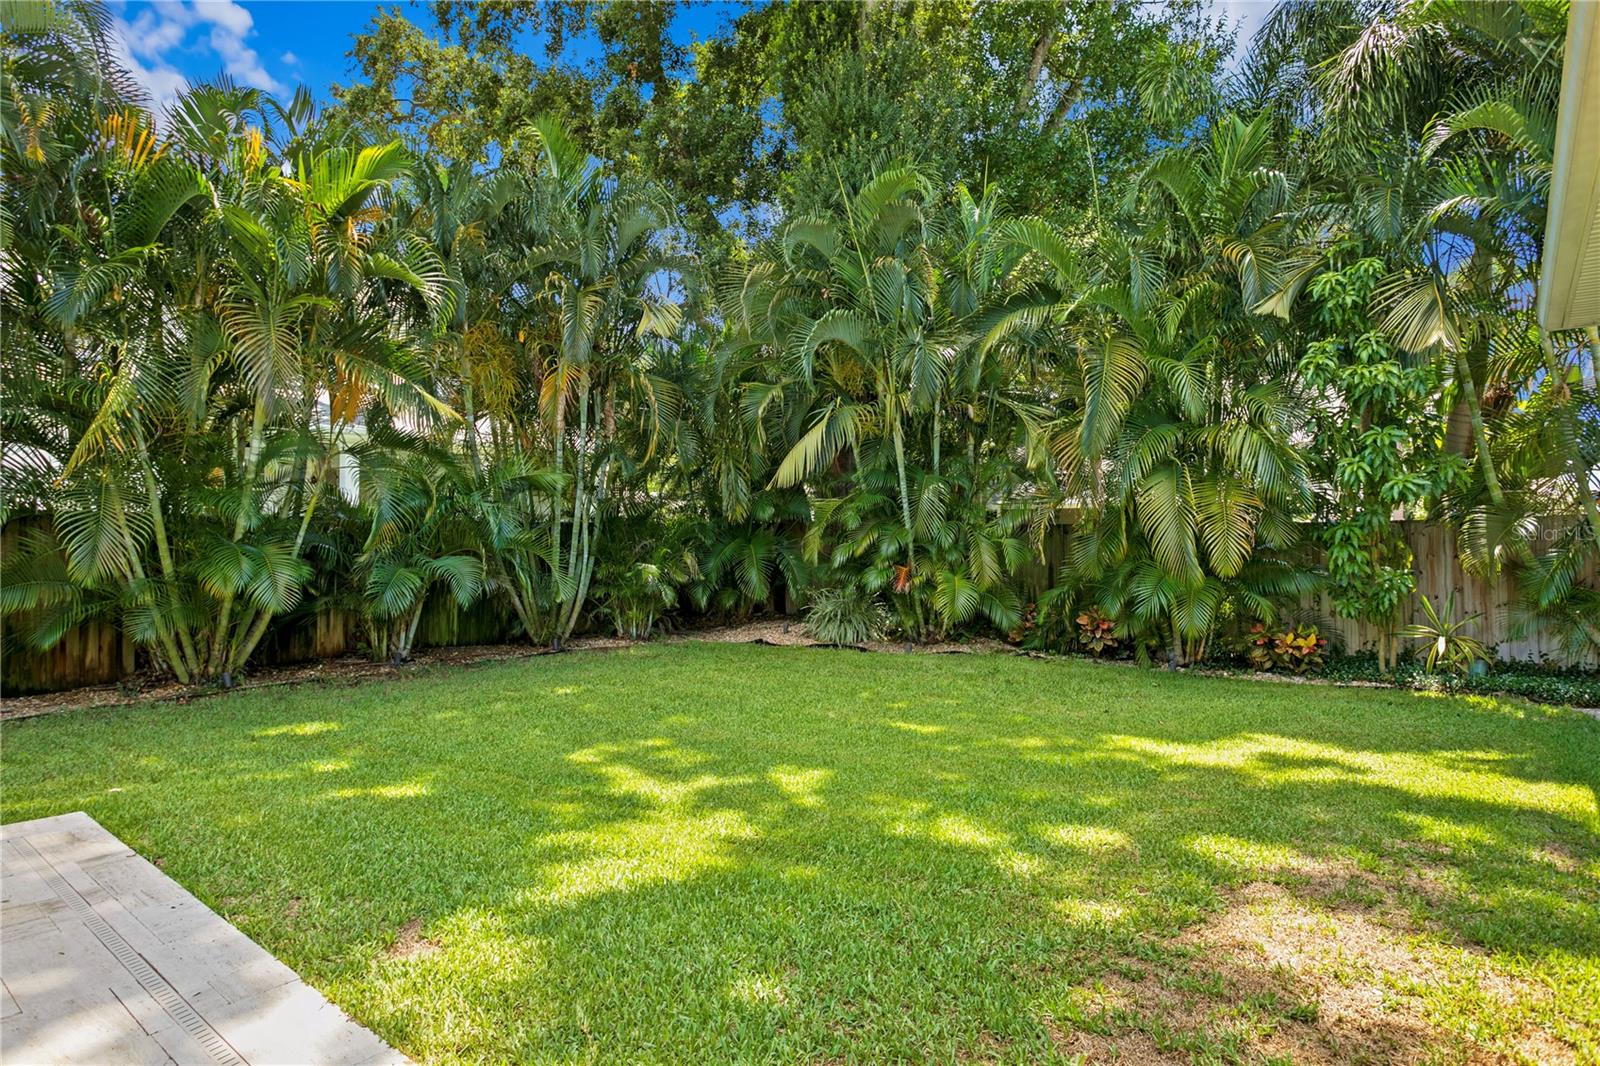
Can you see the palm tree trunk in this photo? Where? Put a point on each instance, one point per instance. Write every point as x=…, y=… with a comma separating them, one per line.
x=308, y=417
x=136, y=568
x=580, y=519
x=905, y=491
x=472, y=429
x=258, y=628
x=305, y=519
x=246, y=647
x=518, y=606
x=607, y=417
x=189, y=662
x=556, y=564
x=221, y=645
x=608, y=424
x=1480, y=434
x=409, y=635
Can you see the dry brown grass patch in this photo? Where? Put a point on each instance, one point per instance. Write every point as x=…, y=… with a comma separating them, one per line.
x=409, y=943
x=1324, y=967
x=1126, y=1049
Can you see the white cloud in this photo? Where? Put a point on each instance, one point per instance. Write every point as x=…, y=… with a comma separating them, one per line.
x=241, y=61
x=151, y=36
x=289, y=59
x=160, y=79
x=226, y=15
x=146, y=45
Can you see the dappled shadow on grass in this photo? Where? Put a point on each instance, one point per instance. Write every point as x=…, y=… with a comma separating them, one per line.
x=673, y=856
x=923, y=895
x=1035, y=884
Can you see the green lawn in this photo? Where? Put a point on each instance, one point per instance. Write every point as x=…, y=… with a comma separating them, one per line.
x=687, y=853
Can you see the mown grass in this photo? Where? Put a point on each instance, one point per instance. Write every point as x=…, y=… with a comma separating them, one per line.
x=710, y=853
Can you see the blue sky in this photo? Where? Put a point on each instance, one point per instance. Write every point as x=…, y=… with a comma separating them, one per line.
x=279, y=44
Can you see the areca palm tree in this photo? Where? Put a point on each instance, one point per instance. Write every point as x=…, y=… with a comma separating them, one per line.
x=312, y=308
x=417, y=539
x=865, y=314
x=869, y=318
x=185, y=325
x=1185, y=445
x=600, y=279
x=471, y=221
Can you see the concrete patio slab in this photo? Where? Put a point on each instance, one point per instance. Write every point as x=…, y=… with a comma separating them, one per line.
x=104, y=959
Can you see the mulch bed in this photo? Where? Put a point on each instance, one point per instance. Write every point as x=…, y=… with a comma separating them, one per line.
x=354, y=669
x=343, y=670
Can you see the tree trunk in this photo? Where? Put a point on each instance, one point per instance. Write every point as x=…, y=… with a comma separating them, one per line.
x=1041, y=52
x=580, y=519
x=905, y=491
x=472, y=430
x=188, y=662
x=221, y=645
x=409, y=637
x=1064, y=104
x=136, y=568
x=1480, y=434
x=556, y=571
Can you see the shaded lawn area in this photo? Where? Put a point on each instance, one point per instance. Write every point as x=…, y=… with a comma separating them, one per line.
x=704, y=852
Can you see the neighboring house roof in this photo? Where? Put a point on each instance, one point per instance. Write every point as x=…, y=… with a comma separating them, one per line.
x=1569, y=293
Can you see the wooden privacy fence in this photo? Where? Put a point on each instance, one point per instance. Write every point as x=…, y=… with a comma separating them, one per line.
x=90, y=654
x=98, y=653
x=1438, y=573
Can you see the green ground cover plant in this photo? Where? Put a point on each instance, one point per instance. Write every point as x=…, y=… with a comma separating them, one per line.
x=696, y=852
x=1544, y=682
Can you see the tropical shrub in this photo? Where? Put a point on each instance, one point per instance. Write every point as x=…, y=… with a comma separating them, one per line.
x=632, y=596
x=1096, y=632
x=1375, y=444
x=1444, y=641
x=845, y=614
x=412, y=546
x=1298, y=649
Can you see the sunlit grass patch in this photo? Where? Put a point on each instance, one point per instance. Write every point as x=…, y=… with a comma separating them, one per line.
x=298, y=729
x=704, y=853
